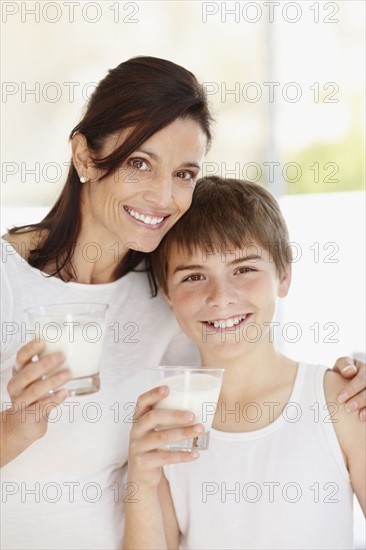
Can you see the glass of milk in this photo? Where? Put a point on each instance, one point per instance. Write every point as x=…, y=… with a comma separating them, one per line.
x=76, y=329
x=190, y=389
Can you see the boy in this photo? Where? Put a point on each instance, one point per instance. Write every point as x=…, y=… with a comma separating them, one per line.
x=282, y=465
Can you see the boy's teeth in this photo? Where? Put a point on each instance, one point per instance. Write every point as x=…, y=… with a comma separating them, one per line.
x=228, y=323
x=149, y=220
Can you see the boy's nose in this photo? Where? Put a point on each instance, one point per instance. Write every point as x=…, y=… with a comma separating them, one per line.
x=160, y=192
x=221, y=295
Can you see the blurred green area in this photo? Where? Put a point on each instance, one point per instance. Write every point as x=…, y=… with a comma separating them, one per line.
x=331, y=167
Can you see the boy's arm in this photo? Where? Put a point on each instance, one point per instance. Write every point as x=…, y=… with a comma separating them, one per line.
x=144, y=528
x=150, y=521
x=171, y=526
x=351, y=436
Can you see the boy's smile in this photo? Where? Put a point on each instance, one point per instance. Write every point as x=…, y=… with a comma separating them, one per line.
x=224, y=303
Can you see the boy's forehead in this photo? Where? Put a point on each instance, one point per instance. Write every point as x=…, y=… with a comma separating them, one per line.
x=202, y=254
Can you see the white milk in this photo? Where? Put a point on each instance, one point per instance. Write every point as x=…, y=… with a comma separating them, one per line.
x=194, y=392
x=80, y=339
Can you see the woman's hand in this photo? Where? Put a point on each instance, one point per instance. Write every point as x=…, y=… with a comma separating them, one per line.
x=353, y=393
x=26, y=419
x=146, y=459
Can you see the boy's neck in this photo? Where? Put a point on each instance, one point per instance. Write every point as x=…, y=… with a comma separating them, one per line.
x=260, y=376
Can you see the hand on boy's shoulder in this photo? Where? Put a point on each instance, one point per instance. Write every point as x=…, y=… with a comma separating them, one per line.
x=343, y=420
x=350, y=433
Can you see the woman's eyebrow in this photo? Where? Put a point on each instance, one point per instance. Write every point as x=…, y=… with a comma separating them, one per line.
x=156, y=157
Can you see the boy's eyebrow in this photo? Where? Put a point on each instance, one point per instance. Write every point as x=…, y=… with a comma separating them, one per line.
x=248, y=258
x=156, y=157
x=192, y=267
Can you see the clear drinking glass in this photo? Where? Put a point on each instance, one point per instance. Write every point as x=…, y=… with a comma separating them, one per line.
x=190, y=389
x=78, y=330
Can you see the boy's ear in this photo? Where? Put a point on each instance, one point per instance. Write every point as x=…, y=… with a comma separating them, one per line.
x=168, y=300
x=285, y=282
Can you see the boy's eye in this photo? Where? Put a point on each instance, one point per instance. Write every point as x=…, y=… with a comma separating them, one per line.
x=193, y=278
x=138, y=164
x=245, y=269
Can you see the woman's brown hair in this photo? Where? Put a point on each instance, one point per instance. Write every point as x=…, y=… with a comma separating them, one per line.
x=144, y=94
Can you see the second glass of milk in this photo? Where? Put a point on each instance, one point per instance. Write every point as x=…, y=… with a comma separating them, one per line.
x=78, y=330
x=190, y=389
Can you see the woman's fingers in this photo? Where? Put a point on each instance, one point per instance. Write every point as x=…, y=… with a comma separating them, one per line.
x=39, y=389
x=356, y=385
x=32, y=372
x=47, y=405
x=26, y=353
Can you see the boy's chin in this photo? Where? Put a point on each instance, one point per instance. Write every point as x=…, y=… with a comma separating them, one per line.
x=224, y=350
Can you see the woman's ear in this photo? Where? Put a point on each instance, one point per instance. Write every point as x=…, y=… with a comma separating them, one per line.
x=81, y=158
x=285, y=282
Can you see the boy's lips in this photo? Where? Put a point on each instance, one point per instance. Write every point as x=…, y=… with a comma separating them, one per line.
x=229, y=322
x=151, y=219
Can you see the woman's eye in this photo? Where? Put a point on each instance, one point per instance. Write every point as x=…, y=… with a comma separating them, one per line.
x=138, y=164
x=186, y=175
x=193, y=278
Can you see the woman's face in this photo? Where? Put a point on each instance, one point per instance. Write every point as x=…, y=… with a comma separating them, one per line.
x=138, y=204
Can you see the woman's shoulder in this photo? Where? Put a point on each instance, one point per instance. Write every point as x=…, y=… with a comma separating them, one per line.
x=23, y=242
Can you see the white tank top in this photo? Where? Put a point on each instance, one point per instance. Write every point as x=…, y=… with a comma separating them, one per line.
x=284, y=486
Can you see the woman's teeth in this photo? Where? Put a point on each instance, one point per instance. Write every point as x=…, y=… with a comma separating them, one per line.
x=149, y=220
x=227, y=323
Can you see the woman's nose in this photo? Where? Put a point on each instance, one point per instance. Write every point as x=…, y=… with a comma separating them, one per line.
x=160, y=191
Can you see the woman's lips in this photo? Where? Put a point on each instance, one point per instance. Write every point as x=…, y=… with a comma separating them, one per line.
x=151, y=220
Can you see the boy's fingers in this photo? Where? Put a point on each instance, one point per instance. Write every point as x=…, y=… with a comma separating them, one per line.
x=148, y=399
x=161, y=417
x=356, y=385
x=160, y=458
x=155, y=440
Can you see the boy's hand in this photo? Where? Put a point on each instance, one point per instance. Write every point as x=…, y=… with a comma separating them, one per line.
x=145, y=459
x=353, y=393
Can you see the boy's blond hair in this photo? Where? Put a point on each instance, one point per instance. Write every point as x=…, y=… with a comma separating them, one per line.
x=226, y=214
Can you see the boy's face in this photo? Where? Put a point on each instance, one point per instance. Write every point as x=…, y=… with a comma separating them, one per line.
x=222, y=302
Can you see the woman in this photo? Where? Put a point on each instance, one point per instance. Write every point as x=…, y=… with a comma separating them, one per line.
x=136, y=155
